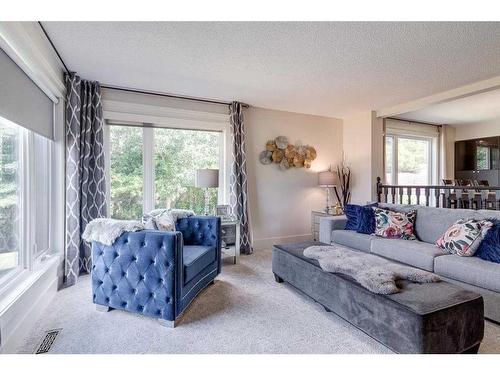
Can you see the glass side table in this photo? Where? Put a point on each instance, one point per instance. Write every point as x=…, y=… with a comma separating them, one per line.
x=230, y=236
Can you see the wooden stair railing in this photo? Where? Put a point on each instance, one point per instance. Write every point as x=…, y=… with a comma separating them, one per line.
x=447, y=196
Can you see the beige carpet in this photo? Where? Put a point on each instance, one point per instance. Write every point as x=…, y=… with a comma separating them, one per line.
x=246, y=311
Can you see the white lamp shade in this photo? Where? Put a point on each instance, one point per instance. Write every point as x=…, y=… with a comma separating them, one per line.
x=326, y=179
x=207, y=178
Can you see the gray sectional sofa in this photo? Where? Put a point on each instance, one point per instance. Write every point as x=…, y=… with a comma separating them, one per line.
x=469, y=272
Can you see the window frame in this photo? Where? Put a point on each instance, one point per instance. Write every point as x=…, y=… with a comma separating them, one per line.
x=29, y=258
x=149, y=117
x=432, y=155
x=38, y=254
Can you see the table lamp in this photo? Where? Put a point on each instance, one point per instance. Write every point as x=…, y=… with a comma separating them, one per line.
x=327, y=179
x=207, y=178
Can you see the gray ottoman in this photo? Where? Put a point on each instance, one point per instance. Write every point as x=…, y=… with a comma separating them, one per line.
x=423, y=318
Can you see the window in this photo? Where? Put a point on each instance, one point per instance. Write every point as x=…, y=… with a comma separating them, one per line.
x=389, y=148
x=411, y=152
x=27, y=131
x=10, y=197
x=413, y=161
x=154, y=167
x=126, y=172
x=494, y=157
x=177, y=155
x=24, y=198
x=408, y=160
x=483, y=157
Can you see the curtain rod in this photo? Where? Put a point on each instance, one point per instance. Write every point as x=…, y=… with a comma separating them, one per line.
x=111, y=87
x=54, y=47
x=415, y=122
x=157, y=93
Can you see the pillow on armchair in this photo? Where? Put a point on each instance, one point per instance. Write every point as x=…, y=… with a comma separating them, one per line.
x=165, y=219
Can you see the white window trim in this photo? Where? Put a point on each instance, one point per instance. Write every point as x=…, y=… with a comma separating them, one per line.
x=36, y=255
x=29, y=258
x=148, y=170
x=107, y=163
x=432, y=154
x=149, y=117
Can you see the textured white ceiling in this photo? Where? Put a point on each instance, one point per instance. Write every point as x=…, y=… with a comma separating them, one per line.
x=331, y=69
x=483, y=107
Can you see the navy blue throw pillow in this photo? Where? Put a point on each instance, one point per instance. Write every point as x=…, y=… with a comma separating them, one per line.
x=366, y=220
x=351, y=212
x=359, y=216
x=490, y=246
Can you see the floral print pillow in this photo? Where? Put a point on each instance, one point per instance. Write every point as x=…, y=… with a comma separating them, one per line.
x=464, y=237
x=391, y=224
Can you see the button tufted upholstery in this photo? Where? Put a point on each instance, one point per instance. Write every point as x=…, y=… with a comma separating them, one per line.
x=157, y=273
x=202, y=231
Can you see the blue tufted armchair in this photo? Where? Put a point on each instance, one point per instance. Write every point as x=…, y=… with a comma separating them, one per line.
x=157, y=273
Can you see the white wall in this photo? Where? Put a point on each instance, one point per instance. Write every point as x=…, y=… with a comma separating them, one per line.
x=479, y=130
x=357, y=148
x=281, y=201
x=363, y=148
x=448, y=172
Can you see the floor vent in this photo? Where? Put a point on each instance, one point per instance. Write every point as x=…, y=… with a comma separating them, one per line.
x=48, y=341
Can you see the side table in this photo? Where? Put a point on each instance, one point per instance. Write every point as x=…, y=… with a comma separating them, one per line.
x=230, y=235
x=315, y=218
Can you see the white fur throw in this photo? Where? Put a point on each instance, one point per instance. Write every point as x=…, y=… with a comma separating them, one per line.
x=376, y=274
x=106, y=231
x=178, y=213
x=165, y=219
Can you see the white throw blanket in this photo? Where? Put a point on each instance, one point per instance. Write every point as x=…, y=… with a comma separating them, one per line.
x=376, y=274
x=106, y=231
x=165, y=219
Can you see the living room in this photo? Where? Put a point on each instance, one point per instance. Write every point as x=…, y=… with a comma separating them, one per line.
x=266, y=187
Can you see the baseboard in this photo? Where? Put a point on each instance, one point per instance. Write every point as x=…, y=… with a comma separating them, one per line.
x=17, y=319
x=267, y=243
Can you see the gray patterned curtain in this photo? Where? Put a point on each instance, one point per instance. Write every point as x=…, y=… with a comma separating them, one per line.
x=238, y=187
x=85, y=175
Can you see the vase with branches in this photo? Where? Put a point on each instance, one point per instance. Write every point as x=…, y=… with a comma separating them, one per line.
x=343, y=191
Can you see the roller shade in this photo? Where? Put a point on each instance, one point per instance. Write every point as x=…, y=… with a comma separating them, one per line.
x=400, y=127
x=22, y=102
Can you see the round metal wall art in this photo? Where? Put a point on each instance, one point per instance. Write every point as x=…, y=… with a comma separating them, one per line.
x=284, y=164
x=298, y=161
x=310, y=153
x=290, y=152
x=278, y=155
x=266, y=157
x=280, y=151
x=281, y=142
x=270, y=146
